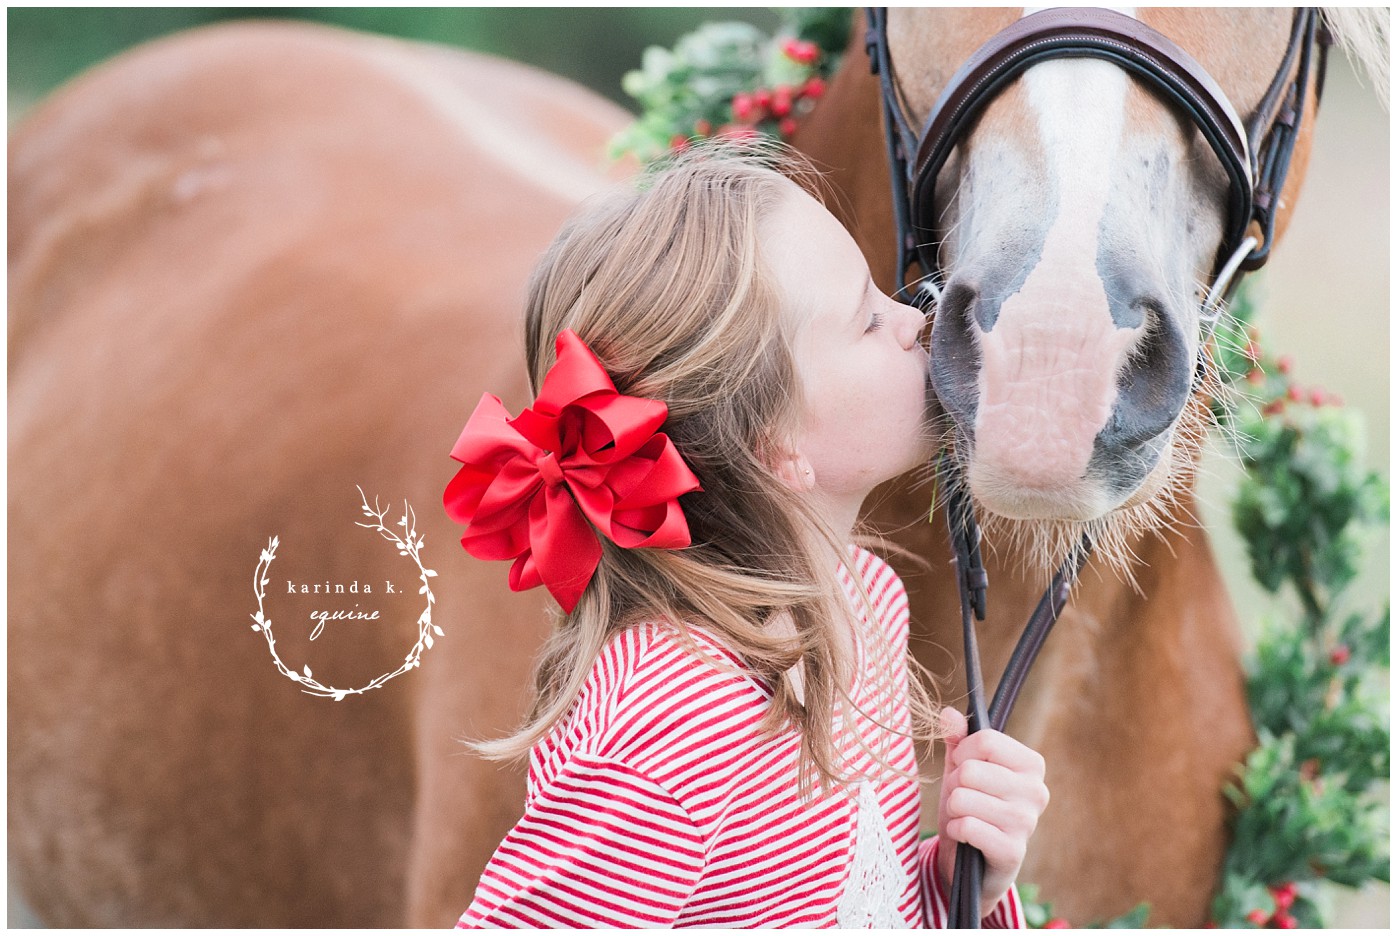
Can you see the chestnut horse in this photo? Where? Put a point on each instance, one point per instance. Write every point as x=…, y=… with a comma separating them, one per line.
x=258, y=265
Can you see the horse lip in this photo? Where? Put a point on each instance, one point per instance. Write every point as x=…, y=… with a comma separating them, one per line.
x=1111, y=482
x=1083, y=502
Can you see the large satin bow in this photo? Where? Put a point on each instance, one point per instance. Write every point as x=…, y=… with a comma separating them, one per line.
x=582, y=450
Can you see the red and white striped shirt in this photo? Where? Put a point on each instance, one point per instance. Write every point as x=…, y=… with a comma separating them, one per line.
x=657, y=802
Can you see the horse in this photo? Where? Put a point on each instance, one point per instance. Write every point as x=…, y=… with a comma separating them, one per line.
x=259, y=265
x=1065, y=348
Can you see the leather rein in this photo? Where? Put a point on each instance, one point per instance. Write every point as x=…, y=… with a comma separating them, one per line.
x=1256, y=157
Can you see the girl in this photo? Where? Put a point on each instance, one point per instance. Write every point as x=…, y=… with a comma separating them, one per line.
x=724, y=723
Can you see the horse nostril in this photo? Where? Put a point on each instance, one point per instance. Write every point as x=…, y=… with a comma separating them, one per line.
x=955, y=354
x=1154, y=384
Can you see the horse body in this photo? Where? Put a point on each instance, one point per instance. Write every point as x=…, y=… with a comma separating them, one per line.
x=304, y=254
x=251, y=268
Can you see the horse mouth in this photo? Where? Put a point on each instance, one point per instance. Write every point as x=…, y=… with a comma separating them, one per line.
x=1112, y=483
x=1042, y=524
x=1013, y=500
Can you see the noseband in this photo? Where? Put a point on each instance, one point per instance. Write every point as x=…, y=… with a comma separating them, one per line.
x=1255, y=154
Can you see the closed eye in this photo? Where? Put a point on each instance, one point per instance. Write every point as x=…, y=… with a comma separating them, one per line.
x=875, y=323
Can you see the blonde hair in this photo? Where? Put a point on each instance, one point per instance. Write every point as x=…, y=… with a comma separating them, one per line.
x=665, y=281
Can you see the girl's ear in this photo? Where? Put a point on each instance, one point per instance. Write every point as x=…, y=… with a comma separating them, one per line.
x=795, y=472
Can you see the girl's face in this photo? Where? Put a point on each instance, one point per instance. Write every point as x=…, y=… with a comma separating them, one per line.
x=859, y=354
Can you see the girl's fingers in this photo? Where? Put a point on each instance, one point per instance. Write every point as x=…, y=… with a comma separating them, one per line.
x=998, y=781
x=997, y=748
x=953, y=728
x=991, y=797
x=953, y=723
x=1003, y=851
x=1014, y=817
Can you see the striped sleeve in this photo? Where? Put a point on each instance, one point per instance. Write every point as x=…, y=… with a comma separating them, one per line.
x=602, y=845
x=1007, y=914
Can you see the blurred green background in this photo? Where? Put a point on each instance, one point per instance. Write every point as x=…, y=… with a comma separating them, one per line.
x=1324, y=299
x=591, y=45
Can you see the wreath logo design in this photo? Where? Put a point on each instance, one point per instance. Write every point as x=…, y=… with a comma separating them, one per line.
x=408, y=544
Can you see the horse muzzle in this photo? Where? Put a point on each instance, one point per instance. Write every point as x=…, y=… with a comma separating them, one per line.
x=1064, y=395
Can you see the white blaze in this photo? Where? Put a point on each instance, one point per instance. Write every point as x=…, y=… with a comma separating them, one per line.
x=1047, y=382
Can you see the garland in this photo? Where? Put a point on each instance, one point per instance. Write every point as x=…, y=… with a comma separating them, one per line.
x=1307, y=800
x=733, y=80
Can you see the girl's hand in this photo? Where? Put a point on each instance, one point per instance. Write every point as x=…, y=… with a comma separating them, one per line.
x=991, y=797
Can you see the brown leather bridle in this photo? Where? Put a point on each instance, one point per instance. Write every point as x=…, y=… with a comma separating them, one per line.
x=1255, y=155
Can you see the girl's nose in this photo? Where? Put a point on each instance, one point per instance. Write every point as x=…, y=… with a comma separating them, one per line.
x=911, y=323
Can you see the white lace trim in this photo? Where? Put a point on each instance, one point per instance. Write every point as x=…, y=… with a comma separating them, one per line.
x=875, y=885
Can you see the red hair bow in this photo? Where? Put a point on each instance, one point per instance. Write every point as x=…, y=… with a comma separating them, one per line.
x=582, y=451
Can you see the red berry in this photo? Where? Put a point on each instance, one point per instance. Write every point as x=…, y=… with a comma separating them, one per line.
x=1338, y=656
x=1256, y=375
x=805, y=53
x=787, y=127
x=1318, y=397
x=743, y=109
x=1285, y=920
x=1253, y=350
x=1057, y=923
x=703, y=128
x=1273, y=408
x=1258, y=917
x=781, y=101
x=1294, y=393
x=679, y=142
x=1284, y=895
x=1284, y=364
x=814, y=88
x=762, y=98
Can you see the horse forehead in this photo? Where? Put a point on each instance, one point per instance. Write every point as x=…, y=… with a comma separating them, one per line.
x=928, y=45
x=1240, y=47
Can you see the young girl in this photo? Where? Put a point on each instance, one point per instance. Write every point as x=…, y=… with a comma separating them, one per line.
x=724, y=723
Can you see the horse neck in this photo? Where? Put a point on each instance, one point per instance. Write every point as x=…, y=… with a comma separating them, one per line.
x=1118, y=647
